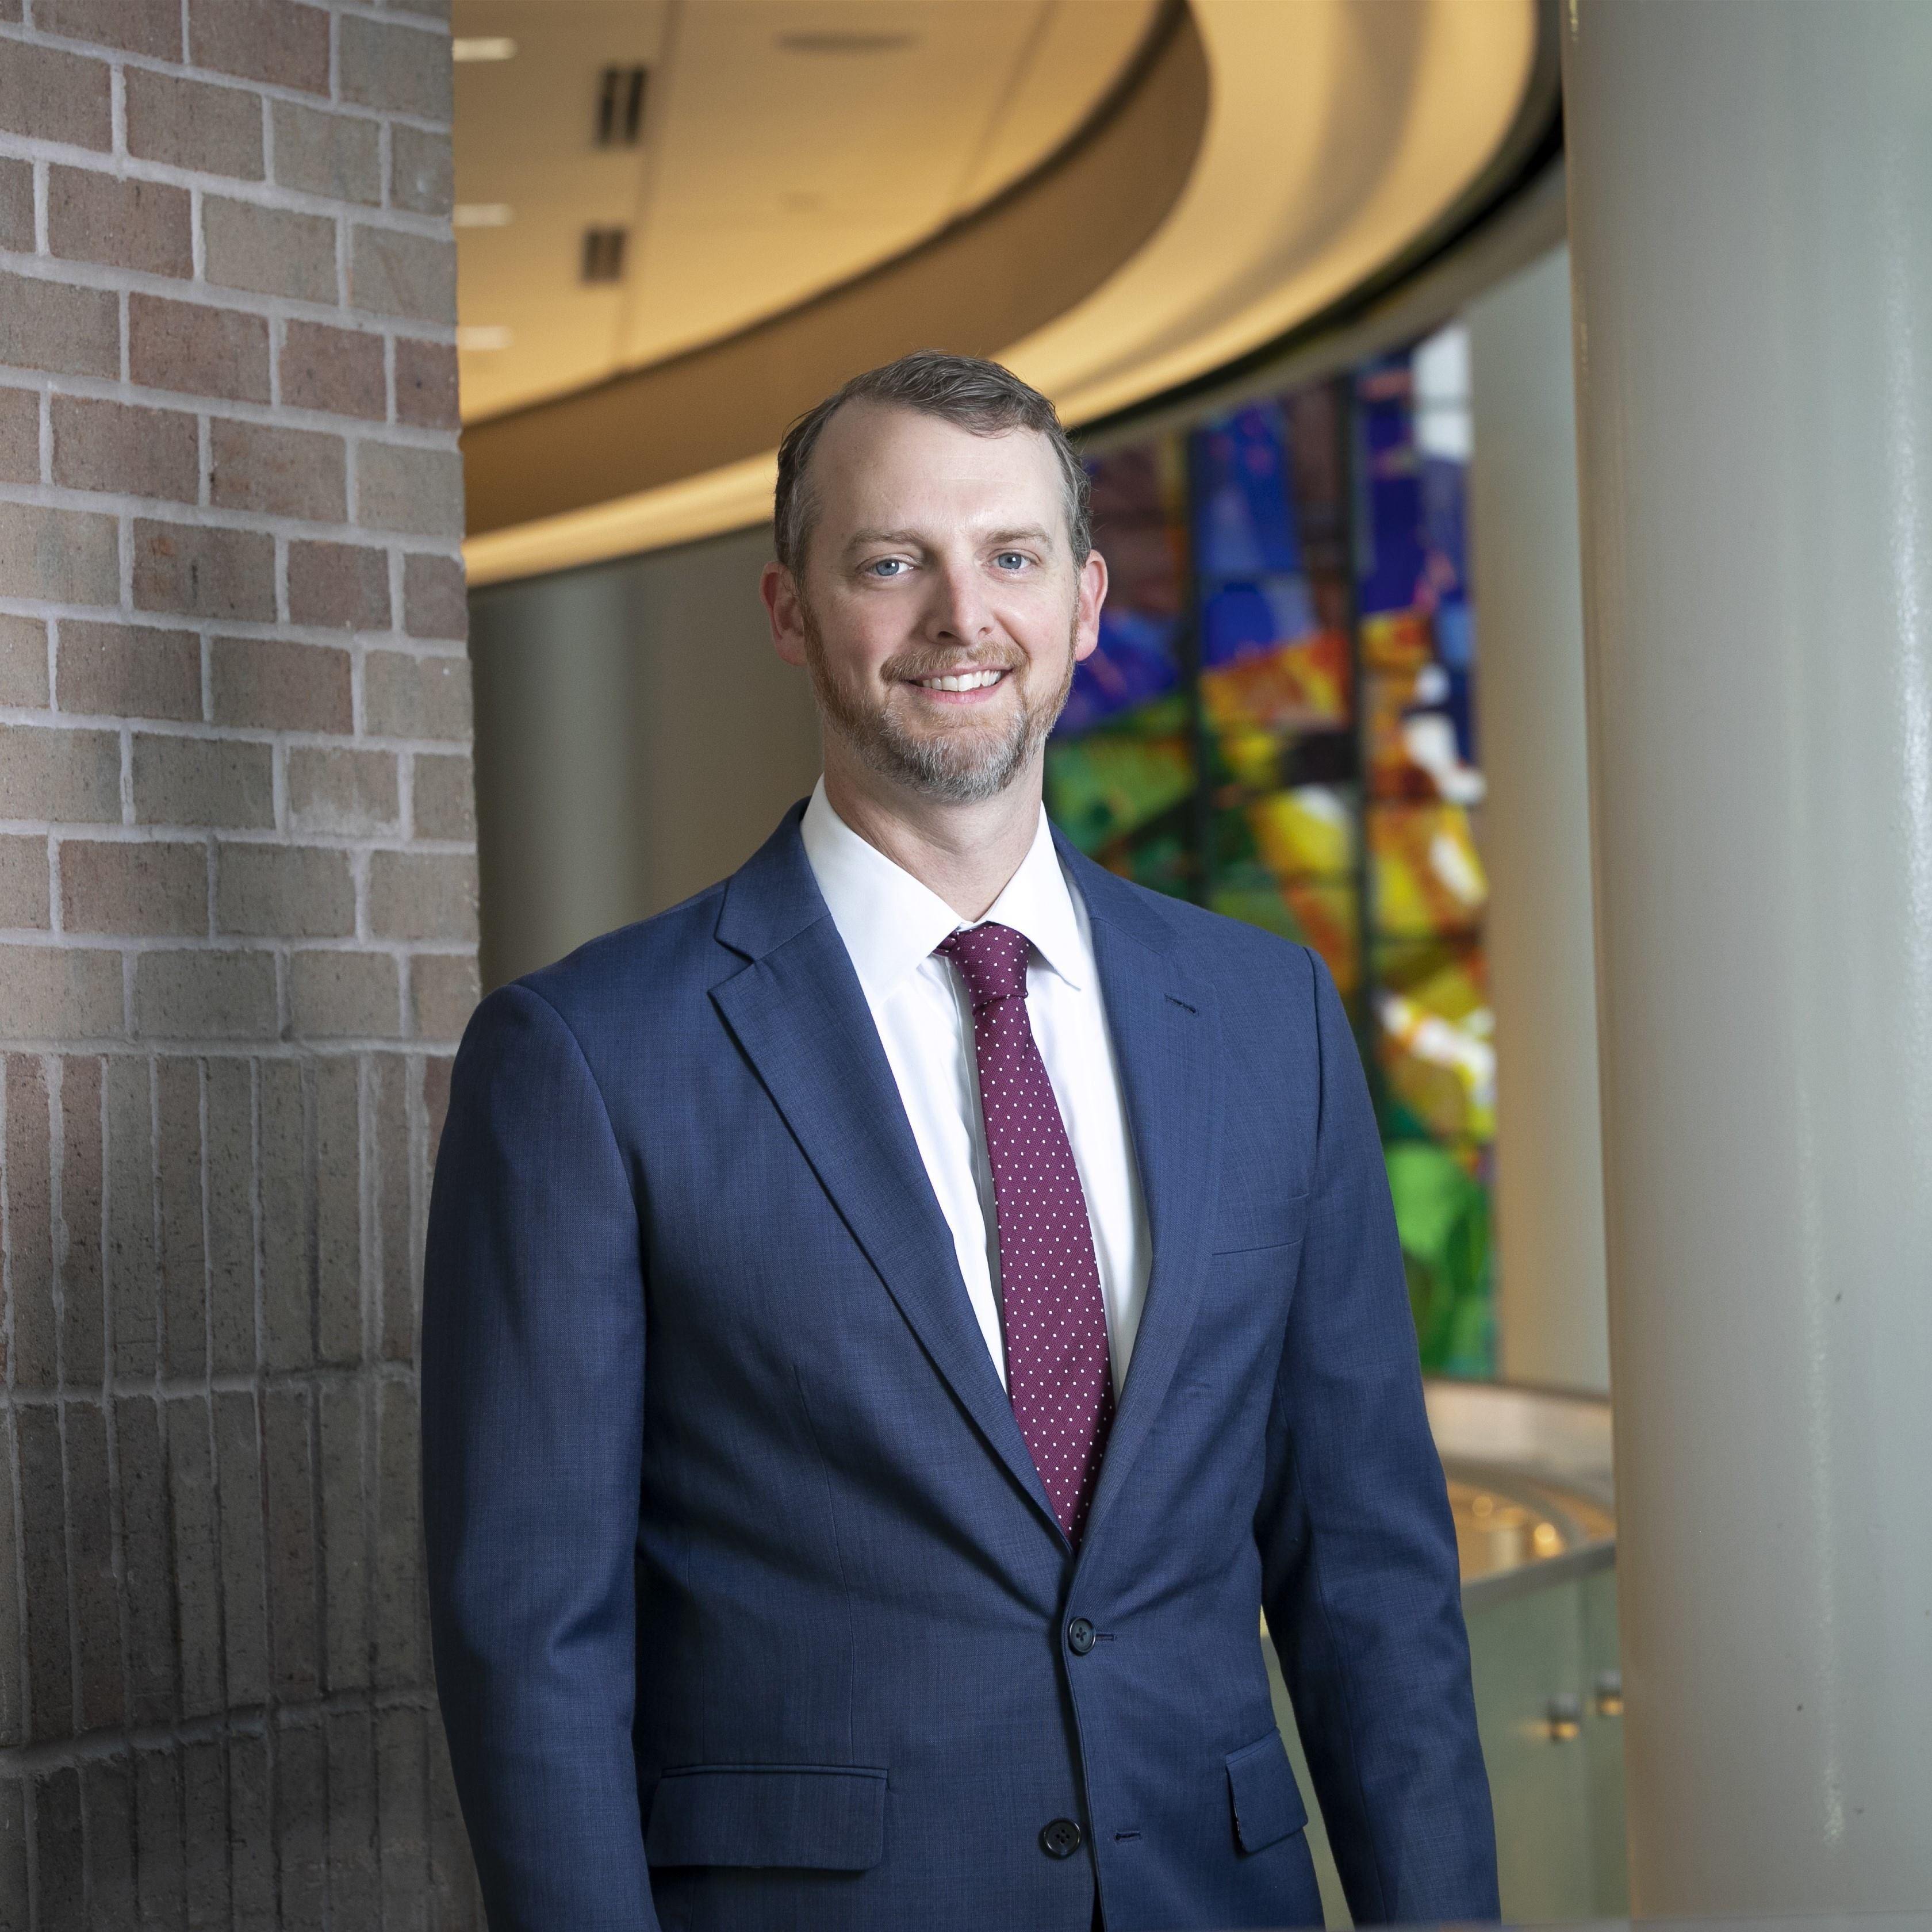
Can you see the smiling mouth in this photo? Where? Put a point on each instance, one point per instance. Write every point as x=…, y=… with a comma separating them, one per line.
x=968, y=680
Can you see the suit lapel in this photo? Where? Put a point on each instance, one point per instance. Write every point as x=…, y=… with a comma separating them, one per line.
x=1166, y=1043
x=799, y=1013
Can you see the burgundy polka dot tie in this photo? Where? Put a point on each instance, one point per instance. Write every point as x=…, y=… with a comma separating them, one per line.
x=1055, y=1322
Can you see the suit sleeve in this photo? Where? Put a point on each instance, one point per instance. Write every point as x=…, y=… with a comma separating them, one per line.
x=1360, y=1578
x=533, y=1418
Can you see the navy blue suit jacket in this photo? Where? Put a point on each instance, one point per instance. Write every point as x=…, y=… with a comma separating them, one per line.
x=750, y=1611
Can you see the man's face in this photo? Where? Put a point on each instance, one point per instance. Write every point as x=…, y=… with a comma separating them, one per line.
x=938, y=606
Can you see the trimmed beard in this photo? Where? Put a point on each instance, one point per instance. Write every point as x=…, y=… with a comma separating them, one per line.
x=956, y=768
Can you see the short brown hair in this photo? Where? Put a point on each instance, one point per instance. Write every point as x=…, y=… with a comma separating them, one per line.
x=977, y=395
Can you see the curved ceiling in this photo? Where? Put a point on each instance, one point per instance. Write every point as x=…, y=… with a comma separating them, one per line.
x=779, y=147
x=1342, y=131
x=1330, y=138
x=988, y=280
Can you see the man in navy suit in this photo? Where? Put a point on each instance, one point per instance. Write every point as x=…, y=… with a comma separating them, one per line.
x=895, y=1322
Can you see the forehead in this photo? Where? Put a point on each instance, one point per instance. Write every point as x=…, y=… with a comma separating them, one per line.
x=880, y=466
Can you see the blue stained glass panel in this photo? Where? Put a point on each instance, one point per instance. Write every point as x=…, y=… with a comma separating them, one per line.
x=1393, y=560
x=1240, y=619
x=1243, y=513
x=1135, y=661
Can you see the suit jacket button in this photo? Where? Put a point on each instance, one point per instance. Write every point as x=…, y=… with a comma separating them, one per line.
x=1061, y=1839
x=1080, y=1636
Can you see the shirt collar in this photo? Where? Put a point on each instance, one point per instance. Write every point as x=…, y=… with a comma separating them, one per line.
x=1038, y=902
x=890, y=921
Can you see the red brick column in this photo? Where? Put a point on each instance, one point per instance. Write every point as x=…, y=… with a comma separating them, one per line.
x=237, y=935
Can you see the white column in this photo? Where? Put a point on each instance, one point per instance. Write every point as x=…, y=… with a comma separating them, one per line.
x=1750, y=205
x=1551, y=1317
x=637, y=738
x=561, y=839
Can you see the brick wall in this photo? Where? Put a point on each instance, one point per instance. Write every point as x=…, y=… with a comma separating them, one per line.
x=237, y=944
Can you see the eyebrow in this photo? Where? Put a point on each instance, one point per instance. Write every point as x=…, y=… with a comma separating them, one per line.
x=859, y=538
x=1025, y=532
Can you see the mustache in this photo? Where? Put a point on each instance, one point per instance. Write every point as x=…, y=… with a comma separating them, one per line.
x=950, y=663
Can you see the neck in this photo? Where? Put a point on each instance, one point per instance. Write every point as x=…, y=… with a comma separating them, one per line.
x=965, y=852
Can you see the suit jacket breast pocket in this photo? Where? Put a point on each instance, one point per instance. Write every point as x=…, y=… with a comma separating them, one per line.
x=801, y=1817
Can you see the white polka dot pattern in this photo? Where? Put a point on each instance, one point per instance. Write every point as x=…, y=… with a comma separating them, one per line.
x=1051, y=1308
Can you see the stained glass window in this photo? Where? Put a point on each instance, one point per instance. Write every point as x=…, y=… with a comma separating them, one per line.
x=1279, y=723
x=1121, y=772
x=1432, y=1024
x=1276, y=679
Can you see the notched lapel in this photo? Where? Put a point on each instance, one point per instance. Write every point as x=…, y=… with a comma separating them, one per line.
x=800, y=1016
x=1166, y=1039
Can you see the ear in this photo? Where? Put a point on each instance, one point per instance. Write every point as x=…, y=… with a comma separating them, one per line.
x=785, y=609
x=1092, y=594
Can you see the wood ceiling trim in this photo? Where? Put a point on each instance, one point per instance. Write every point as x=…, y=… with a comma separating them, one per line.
x=986, y=280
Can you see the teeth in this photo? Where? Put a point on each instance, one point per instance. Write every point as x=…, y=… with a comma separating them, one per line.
x=972, y=680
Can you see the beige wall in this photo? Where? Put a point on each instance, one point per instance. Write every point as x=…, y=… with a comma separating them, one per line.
x=637, y=738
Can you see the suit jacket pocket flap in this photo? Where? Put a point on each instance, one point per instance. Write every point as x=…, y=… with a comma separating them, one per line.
x=803, y=1816
x=1269, y=1221
x=1268, y=1806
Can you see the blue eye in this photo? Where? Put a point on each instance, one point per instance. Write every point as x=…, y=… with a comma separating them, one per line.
x=1011, y=559
x=887, y=567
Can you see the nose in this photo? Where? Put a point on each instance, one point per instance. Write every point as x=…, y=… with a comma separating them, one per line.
x=959, y=614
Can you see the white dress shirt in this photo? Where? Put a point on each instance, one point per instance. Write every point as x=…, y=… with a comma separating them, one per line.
x=890, y=923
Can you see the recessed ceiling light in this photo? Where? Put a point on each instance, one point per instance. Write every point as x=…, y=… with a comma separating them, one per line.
x=483, y=47
x=485, y=338
x=482, y=214
x=831, y=41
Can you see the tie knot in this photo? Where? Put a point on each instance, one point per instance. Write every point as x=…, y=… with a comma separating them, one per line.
x=991, y=959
